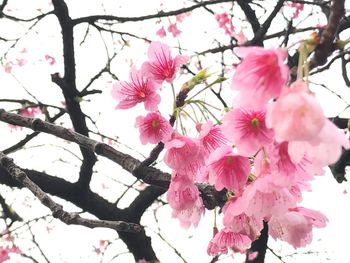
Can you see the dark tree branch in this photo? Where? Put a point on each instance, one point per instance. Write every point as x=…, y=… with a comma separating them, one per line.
x=259, y=35
x=138, y=243
x=260, y=246
x=93, y=19
x=149, y=175
x=57, y=210
x=326, y=47
x=70, y=92
x=250, y=14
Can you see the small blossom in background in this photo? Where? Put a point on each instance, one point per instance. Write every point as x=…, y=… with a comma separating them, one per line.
x=172, y=28
x=225, y=23
x=51, y=60
x=161, y=32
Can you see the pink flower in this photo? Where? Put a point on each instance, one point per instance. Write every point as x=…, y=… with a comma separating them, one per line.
x=252, y=255
x=262, y=198
x=323, y=149
x=190, y=216
x=153, y=128
x=50, y=60
x=161, y=65
x=161, y=32
x=21, y=62
x=182, y=193
x=242, y=224
x=298, y=7
x=225, y=23
x=181, y=17
x=183, y=154
x=6, y=250
x=260, y=76
x=172, y=28
x=225, y=239
x=8, y=67
x=30, y=111
x=247, y=130
x=314, y=217
x=277, y=163
x=296, y=115
x=138, y=89
x=295, y=226
x=226, y=169
x=210, y=137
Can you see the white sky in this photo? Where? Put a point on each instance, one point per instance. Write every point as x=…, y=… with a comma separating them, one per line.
x=75, y=244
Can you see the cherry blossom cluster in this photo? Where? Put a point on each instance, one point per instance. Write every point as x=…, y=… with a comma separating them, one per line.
x=297, y=9
x=225, y=22
x=263, y=152
x=7, y=247
x=172, y=27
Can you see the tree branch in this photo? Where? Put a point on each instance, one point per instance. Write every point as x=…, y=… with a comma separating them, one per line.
x=92, y=19
x=69, y=90
x=57, y=210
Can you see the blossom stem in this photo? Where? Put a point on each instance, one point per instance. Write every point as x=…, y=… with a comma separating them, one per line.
x=218, y=80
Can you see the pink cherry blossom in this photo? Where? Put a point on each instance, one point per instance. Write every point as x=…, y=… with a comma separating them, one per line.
x=51, y=60
x=314, y=217
x=295, y=226
x=153, y=128
x=226, y=239
x=297, y=8
x=6, y=250
x=172, y=28
x=296, y=115
x=190, y=216
x=242, y=224
x=260, y=76
x=161, y=65
x=252, y=255
x=213, y=249
x=182, y=193
x=247, y=130
x=227, y=170
x=21, y=62
x=8, y=67
x=262, y=198
x=161, y=32
x=291, y=227
x=276, y=161
x=183, y=154
x=181, y=17
x=30, y=111
x=324, y=149
x=225, y=23
x=139, y=89
x=27, y=111
x=210, y=137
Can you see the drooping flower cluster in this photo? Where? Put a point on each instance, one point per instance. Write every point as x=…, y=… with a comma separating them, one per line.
x=280, y=136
